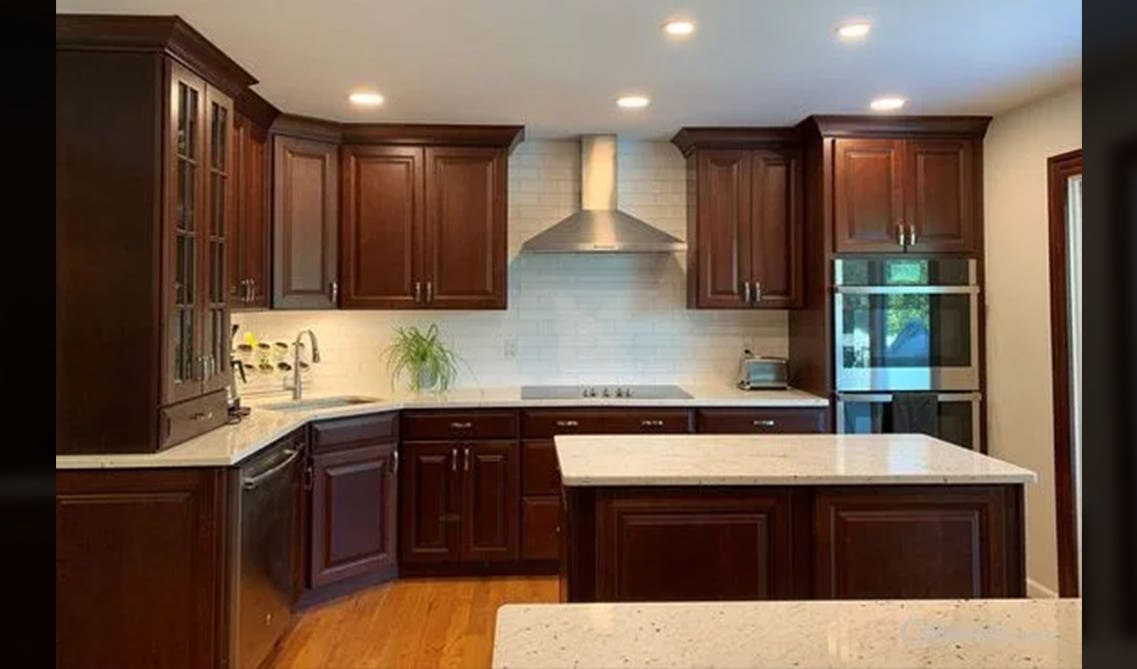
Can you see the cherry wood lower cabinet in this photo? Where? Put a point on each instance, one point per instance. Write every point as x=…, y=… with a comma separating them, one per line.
x=139, y=568
x=799, y=542
x=353, y=512
x=460, y=502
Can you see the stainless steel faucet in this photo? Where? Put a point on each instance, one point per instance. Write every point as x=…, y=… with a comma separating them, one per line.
x=297, y=390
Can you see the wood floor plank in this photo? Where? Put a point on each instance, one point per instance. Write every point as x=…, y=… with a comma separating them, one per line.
x=444, y=623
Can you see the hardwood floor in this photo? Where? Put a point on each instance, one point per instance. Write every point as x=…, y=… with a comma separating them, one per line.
x=412, y=623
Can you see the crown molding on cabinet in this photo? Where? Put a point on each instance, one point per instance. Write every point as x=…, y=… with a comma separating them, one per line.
x=691, y=138
x=411, y=134
x=255, y=108
x=864, y=125
x=169, y=35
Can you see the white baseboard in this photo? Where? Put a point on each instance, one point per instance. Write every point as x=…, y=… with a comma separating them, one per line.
x=1036, y=590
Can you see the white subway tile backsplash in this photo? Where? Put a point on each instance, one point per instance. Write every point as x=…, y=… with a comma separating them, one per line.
x=573, y=318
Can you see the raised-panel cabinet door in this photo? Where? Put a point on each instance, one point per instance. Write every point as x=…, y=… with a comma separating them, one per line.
x=353, y=512
x=490, y=500
x=723, y=228
x=248, y=242
x=218, y=230
x=868, y=195
x=305, y=223
x=186, y=236
x=382, y=227
x=775, y=240
x=940, y=192
x=429, y=502
x=941, y=542
x=465, y=237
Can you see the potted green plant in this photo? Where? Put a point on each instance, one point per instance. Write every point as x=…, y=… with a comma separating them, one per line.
x=425, y=356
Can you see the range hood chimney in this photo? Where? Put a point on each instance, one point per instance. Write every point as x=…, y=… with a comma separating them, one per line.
x=599, y=227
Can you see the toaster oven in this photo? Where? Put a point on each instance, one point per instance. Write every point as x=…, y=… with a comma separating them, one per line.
x=762, y=373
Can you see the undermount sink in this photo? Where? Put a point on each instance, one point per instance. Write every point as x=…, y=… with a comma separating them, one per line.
x=321, y=403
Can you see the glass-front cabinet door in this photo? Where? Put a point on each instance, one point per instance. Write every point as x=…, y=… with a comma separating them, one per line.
x=218, y=228
x=184, y=237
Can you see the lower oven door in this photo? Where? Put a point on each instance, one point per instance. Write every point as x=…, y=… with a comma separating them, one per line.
x=871, y=413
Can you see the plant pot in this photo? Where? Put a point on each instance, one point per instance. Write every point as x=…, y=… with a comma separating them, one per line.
x=424, y=379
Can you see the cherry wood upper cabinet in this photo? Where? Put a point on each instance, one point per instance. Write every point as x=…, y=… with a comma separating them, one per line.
x=722, y=228
x=305, y=223
x=775, y=236
x=382, y=229
x=465, y=236
x=142, y=224
x=249, y=251
x=868, y=195
x=744, y=220
x=941, y=195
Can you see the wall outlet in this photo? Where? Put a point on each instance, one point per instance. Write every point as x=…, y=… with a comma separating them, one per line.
x=509, y=348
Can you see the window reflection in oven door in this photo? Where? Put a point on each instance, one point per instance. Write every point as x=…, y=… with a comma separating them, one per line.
x=871, y=413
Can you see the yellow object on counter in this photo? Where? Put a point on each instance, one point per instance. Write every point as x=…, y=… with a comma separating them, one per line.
x=251, y=339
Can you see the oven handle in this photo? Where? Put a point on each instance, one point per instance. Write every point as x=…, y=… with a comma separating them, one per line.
x=906, y=290
x=887, y=397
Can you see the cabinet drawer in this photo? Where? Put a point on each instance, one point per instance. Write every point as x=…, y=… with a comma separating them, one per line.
x=179, y=422
x=539, y=473
x=763, y=421
x=546, y=423
x=341, y=431
x=540, y=528
x=460, y=425
x=648, y=421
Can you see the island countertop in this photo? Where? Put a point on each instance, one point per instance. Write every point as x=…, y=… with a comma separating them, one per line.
x=775, y=460
x=849, y=634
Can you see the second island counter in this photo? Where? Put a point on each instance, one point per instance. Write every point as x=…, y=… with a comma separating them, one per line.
x=733, y=517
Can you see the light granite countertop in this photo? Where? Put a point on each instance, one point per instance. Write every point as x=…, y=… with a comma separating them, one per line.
x=230, y=444
x=788, y=459
x=1003, y=633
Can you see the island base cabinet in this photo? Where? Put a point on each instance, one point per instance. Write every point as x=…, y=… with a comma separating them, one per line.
x=914, y=543
x=632, y=544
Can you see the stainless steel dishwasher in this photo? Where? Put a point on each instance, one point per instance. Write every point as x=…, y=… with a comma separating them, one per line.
x=264, y=490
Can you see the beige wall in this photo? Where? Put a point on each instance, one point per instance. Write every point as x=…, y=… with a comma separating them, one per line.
x=1019, y=409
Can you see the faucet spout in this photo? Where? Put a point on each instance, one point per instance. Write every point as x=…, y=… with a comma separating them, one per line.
x=297, y=390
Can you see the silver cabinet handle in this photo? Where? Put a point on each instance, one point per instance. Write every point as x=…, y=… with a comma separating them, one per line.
x=765, y=423
x=454, y=459
x=309, y=477
x=252, y=289
x=757, y=292
x=418, y=292
x=651, y=423
x=395, y=463
x=567, y=423
x=254, y=481
x=202, y=416
x=466, y=463
x=334, y=287
x=900, y=232
x=461, y=426
x=428, y=291
x=746, y=292
x=911, y=235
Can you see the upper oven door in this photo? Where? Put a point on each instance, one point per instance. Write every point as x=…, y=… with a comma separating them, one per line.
x=906, y=323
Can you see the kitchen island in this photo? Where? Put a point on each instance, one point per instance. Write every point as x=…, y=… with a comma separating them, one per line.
x=740, y=517
x=970, y=633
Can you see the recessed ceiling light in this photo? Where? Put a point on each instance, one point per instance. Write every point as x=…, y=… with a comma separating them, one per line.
x=633, y=102
x=853, y=30
x=366, y=99
x=679, y=27
x=890, y=103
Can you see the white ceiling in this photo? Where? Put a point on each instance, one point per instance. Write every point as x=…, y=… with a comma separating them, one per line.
x=557, y=66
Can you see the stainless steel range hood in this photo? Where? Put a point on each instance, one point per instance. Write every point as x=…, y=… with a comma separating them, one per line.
x=599, y=227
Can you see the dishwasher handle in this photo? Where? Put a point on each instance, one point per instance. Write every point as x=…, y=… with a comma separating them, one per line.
x=254, y=481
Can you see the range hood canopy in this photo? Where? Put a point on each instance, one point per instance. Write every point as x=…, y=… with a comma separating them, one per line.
x=599, y=227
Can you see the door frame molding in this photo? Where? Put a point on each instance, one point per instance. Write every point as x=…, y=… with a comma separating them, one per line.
x=1059, y=168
